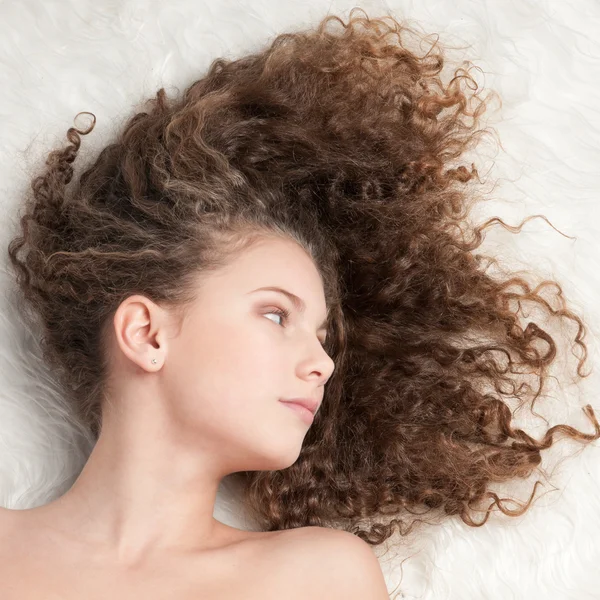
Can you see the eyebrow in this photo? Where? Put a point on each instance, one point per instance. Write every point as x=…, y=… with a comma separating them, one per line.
x=298, y=303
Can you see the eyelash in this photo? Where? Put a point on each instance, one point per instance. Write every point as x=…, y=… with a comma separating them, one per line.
x=282, y=312
x=285, y=314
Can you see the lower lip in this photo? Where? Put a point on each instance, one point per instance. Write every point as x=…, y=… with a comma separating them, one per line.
x=303, y=412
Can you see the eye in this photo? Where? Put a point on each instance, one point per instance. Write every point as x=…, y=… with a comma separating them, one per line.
x=282, y=312
x=285, y=314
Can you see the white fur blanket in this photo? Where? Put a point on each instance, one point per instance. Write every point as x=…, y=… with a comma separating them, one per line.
x=541, y=56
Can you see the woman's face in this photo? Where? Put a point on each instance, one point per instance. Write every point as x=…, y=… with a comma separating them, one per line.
x=235, y=358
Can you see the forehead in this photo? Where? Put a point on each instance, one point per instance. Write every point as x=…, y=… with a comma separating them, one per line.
x=276, y=258
x=271, y=264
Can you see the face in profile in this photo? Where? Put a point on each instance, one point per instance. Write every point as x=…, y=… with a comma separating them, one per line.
x=235, y=358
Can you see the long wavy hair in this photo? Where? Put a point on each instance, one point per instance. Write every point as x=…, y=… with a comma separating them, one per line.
x=348, y=142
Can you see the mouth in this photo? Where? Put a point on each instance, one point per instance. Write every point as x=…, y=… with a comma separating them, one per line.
x=304, y=413
x=311, y=404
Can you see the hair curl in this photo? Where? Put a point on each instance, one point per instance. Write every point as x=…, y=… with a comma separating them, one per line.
x=343, y=141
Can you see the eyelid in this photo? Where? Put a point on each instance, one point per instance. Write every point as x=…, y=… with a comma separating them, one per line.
x=284, y=313
x=287, y=316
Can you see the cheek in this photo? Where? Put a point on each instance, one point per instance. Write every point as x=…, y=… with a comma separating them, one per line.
x=239, y=349
x=227, y=369
x=251, y=361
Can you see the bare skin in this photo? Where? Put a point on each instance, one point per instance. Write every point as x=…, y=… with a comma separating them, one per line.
x=37, y=562
x=139, y=521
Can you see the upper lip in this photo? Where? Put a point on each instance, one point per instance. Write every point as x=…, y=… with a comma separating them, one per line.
x=311, y=403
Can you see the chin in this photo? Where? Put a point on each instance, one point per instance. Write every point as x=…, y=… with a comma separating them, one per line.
x=282, y=460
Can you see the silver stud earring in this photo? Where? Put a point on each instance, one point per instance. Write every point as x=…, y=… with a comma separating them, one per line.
x=153, y=361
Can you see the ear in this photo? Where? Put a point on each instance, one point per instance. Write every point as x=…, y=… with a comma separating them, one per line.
x=140, y=328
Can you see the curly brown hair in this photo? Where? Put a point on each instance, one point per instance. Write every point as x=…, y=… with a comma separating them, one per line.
x=343, y=140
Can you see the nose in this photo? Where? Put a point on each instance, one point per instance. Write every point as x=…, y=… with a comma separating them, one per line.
x=326, y=365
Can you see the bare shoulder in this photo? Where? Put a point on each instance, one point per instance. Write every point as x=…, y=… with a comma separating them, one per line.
x=8, y=531
x=6, y=521
x=336, y=564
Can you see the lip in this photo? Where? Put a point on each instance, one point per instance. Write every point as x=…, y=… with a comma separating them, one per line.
x=303, y=412
x=309, y=403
